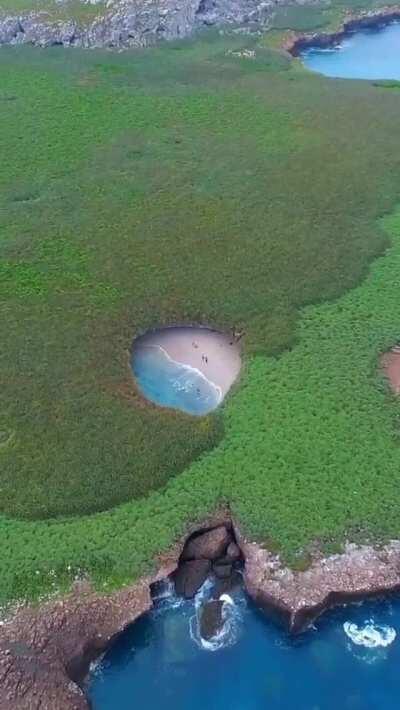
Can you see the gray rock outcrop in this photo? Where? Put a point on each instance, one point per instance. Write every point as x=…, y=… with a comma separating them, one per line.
x=130, y=23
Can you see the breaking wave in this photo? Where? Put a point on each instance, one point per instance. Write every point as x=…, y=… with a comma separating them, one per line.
x=231, y=616
x=370, y=635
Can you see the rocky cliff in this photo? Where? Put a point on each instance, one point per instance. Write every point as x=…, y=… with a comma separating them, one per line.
x=135, y=23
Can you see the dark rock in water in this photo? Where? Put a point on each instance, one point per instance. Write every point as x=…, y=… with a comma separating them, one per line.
x=190, y=576
x=209, y=545
x=222, y=571
x=211, y=621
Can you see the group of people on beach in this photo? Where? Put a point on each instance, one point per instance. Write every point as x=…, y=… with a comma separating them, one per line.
x=236, y=336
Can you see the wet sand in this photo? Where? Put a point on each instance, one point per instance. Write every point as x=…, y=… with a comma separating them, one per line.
x=214, y=354
x=390, y=362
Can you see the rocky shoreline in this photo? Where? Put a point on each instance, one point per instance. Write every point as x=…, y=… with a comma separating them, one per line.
x=297, y=43
x=122, y=24
x=46, y=650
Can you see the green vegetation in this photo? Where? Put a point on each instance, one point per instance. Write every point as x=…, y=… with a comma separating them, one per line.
x=188, y=184
x=302, y=18
x=327, y=17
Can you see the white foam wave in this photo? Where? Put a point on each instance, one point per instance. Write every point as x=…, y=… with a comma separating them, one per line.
x=231, y=617
x=165, y=597
x=226, y=599
x=189, y=368
x=370, y=635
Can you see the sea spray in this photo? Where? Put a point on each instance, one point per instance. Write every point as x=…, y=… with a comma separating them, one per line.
x=232, y=618
x=370, y=635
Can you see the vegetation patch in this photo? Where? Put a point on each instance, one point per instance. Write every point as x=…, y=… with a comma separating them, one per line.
x=220, y=191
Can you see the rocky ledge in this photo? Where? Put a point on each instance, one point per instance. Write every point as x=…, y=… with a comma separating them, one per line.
x=297, y=43
x=46, y=650
x=129, y=23
x=296, y=599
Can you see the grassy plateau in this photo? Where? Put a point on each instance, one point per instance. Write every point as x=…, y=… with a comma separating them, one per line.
x=187, y=184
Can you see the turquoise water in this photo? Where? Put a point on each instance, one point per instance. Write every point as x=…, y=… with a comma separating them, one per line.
x=172, y=384
x=349, y=661
x=372, y=54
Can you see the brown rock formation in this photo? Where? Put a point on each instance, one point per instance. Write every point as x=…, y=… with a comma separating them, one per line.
x=45, y=651
x=190, y=576
x=298, y=598
x=211, y=620
x=222, y=571
x=208, y=545
x=233, y=553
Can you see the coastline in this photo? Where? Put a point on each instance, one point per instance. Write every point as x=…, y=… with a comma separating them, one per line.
x=207, y=351
x=353, y=22
x=46, y=650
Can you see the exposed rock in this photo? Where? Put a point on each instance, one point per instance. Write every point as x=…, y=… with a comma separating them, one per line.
x=298, y=598
x=129, y=23
x=222, y=571
x=45, y=651
x=9, y=29
x=209, y=545
x=40, y=654
x=190, y=576
x=211, y=621
x=233, y=553
x=132, y=23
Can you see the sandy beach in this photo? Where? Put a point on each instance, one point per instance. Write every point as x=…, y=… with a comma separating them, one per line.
x=214, y=354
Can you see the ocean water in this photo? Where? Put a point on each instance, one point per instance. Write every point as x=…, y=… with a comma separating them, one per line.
x=370, y=54
x=172, y=384
x=350, y=660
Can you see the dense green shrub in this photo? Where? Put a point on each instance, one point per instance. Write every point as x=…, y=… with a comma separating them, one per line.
x=212, y=192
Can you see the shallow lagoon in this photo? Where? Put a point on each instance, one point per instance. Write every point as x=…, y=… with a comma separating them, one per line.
x=349, y=660
x=370, y=54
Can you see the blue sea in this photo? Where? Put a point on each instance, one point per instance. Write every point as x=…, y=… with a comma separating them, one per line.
x=173, y=384
x=350, y=660
x=370, y=54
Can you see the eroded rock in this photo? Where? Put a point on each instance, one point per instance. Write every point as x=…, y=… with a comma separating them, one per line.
x=45, y=651
x=298, y=598
x=209, y=545
x=190, y=576
x=222, y=571
x=211, y=621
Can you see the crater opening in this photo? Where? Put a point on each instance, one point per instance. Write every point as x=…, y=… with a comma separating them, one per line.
x=186, y=368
